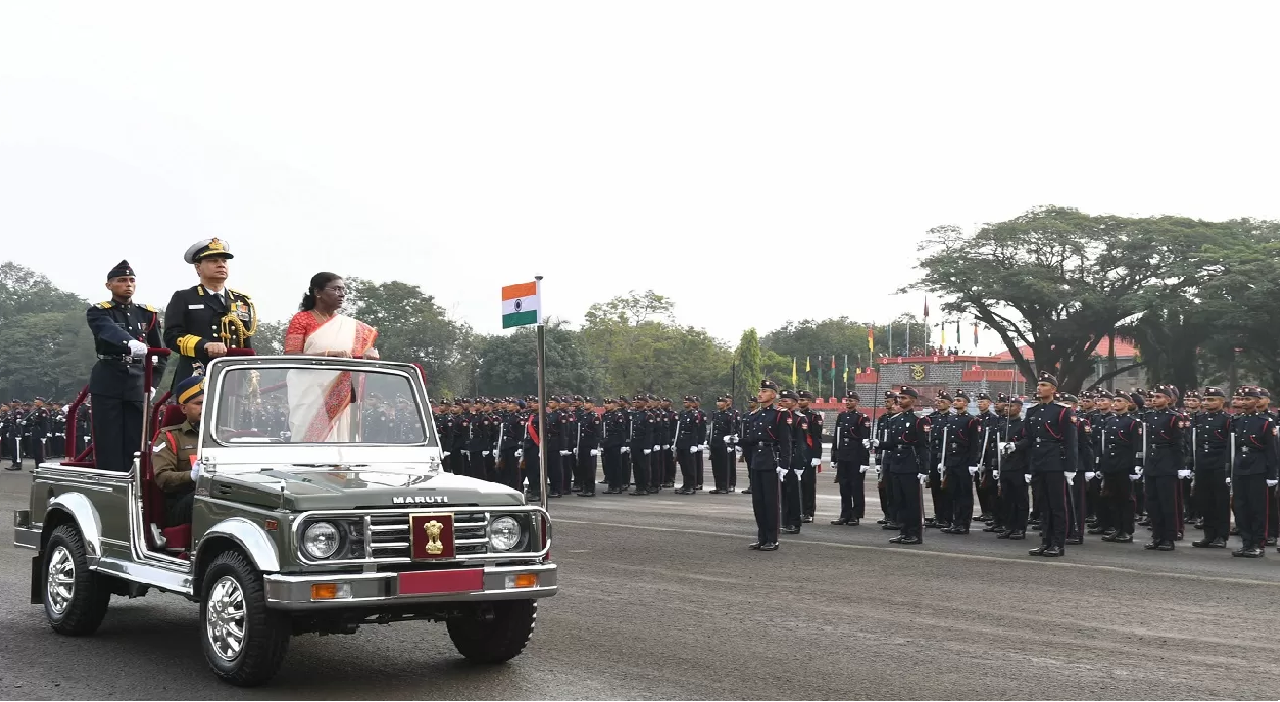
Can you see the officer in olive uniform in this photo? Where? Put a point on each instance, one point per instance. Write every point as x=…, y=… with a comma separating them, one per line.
x=122, y=332
x=174, y=451
x=201, y=323
x=851, y=455
x=767, y=432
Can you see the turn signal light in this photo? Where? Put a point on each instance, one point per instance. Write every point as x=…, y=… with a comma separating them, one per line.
x=522, y=580
x=331, y=591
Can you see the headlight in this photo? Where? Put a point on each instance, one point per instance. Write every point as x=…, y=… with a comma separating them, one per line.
x=505, y=534
x=320, y=540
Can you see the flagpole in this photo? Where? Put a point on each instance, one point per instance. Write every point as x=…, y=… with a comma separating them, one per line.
x=542, y=402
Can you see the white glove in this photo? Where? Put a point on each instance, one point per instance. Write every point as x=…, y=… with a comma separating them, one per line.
x=863, y=469
x=1028, y=477
x=137, y=349
x=1228, y=480
x=1089, y=475
x=151, y=397
x=466, y=452
x=1273, y=483
x=923, y=478
x=595, y=452
x=942, y=468
x=648, y=451
x=705, y=447
x=973, y=470
x=195, y=471
x=1008, y=447
x=782, y=473
x=485, y=453
x=866, y=443
x=798, y=471
x=445, y=454
x=625, y=449
x=656, y=447
x=1134, y=478
x=1137, y=472
x=566, y=452
x=1184, y=474
x=995, y=475
x=815, y=462
x=1071, y=477
x=666, y=447
x=694, y=449
x=878, y=474
x=519, y=453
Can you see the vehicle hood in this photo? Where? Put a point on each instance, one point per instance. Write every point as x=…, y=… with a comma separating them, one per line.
x=306, y=488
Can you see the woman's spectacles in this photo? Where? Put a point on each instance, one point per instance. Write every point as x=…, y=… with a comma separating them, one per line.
x=339, y=291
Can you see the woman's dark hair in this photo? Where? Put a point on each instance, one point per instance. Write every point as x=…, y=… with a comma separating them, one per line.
x=318, y=282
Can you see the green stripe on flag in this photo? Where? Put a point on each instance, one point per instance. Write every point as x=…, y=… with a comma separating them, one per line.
x=519, y=319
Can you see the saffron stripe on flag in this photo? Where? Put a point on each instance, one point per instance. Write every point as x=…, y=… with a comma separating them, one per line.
x=510, y=292
x=517, y=319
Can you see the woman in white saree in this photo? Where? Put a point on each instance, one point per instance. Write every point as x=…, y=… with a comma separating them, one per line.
x=320, y=400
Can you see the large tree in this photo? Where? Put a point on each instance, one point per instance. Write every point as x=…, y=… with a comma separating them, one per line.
x=746, y=368
x=508, y=363
x=1058, y=280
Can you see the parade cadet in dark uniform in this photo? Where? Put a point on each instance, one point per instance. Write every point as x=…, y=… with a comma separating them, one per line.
x=986, y=486
x=813, y=448
x=1211, y=433
x=202, y=322
x=478, y=441
x=884, y=486
x=767, y=432
x=907, y=453
x=613, y=434
x=1255, y=469
x=1273, y=509
x=640, y=445
x=40, y=424
x=702, y=436
x=962, y=461
x=1012, y=474
x=174, y=452
x=1164, y=427
x=1077, y=485
x=1098, y=519
x=1050, y=438
x=510, y=438
x=852, y=456
x=1119, y=442
x=723, y=435
x=942, y=510
x=662, y=463
x=122, y=332
x=589, y=424
x=789, y=494
x=690, y=431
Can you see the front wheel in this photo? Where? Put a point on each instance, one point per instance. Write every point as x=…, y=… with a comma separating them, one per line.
x=243, y=641
x=75, y=601
x=494, y=632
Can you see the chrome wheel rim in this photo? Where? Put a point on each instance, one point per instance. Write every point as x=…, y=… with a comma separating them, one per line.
x=60, y=585
x=224, y=623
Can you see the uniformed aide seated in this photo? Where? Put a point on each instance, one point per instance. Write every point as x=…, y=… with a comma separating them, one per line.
x=173, y=458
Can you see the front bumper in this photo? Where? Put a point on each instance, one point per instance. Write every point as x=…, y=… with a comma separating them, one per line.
x=24, y=536
x=373, y=590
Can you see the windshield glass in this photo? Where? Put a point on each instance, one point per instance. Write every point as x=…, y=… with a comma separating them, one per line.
x=317, y=406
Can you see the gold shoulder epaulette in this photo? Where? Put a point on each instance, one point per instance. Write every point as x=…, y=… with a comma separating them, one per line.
x=106, y=305
x=148, y=308
x=241, y=294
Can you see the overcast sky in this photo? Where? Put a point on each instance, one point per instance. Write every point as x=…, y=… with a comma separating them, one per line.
x=611, y=146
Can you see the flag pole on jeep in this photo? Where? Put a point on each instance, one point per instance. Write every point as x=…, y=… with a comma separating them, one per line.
x=522, y=306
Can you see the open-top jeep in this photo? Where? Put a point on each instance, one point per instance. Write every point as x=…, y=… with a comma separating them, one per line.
x=294, y=530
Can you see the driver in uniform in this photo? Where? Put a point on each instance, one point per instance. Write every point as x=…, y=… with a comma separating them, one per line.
x=202, y=322
x=173, y=459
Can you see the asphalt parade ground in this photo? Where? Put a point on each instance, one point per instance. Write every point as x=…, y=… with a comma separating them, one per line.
x=661, y=599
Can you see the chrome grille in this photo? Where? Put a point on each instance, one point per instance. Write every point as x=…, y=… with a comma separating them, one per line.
x=389, y=535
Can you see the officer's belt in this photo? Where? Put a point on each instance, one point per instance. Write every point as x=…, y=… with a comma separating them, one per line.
x=122, y=358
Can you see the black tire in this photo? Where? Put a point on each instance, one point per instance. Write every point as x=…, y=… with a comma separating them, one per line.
x=481, y=639
x=78, y=611
x=264, y=637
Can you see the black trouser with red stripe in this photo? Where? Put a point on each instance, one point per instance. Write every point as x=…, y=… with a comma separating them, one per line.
x=1213, y=502
x=1249, y=496
x=1162, y=507
x=1013, y=497
x=1051, y=494
x=766, y=492
x=1117, y=489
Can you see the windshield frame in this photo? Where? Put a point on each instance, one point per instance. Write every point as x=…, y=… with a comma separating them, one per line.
x=222, y=367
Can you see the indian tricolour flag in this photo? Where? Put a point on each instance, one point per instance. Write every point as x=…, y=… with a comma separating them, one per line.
x=521, y=305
